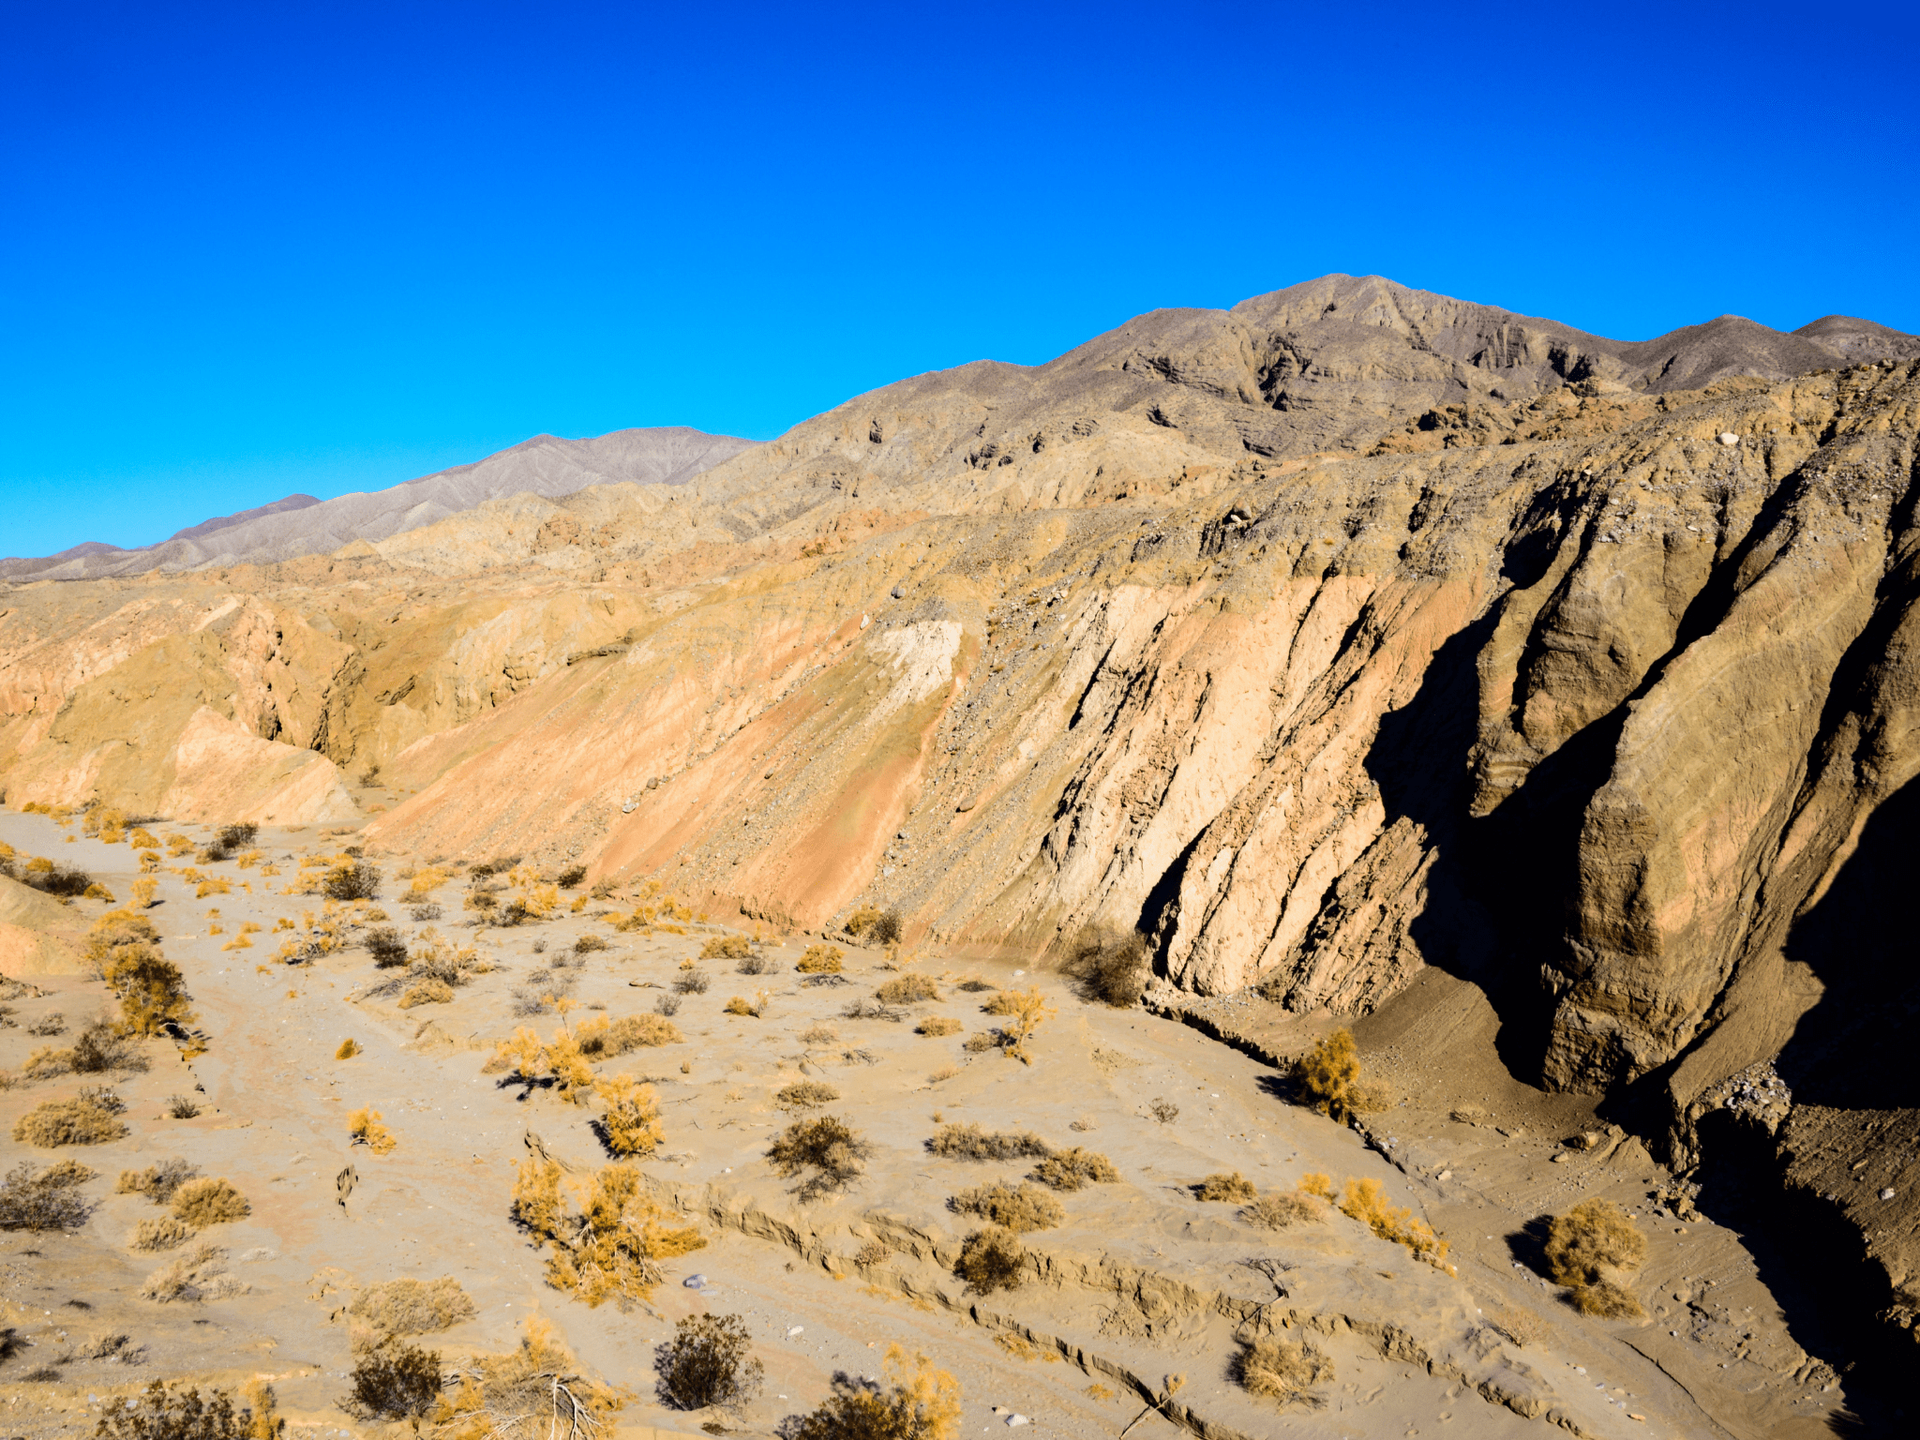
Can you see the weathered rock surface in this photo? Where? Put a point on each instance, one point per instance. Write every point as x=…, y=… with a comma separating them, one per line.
x=1347, y=633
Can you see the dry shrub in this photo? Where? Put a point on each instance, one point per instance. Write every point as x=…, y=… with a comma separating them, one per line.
x=431, y=991
x=602, y=1039
x=631, y=1123
x=917, y=1403
x=518, y=1396
x=1234, y=1186
x=863, y=919
x=52, y=1023
x=945, y=1072
x=201, y=1274
x=727, y=947
x=91, y=1118
x=386, y=947
x=907, y=990
x=871, y=1010
x=707, y=1362
x=1112, y=968
x=1283, y=1369
x=356, y=880
x=48, y=1199
x=157, y=1182
x=612, y=1247
x=412, y=1307
x=588, y=944
x=739, y=1005
x=162, y=1232
x=348, y=1049
x=819, y=1034
x=992, y=1259
x=1016, y=1208
x=201, y=1203
x=1074, y=1169
x=183, y=1107
x=937, y=1025
x=970, y=1142
x=182, y=1414
x=1316, y=1184
x=827, y=1146
x=1281, y=1209
x=1367, y=1202
x=395, y=1382
x=821, y=960
x=1594, y=1248
x=805, y=1095
x=755, y=965
x=693, y=982
x=364, y=1128
x=1328, y=1079
x=1026, y=1009
x=101, y=1047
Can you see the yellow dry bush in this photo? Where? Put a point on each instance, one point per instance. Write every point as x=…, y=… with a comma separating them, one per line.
x=213, y=885
x=160, y=1233
x=821, y=960
x=520, y=1055
x=500, y=1397
x=573, y=1077
x=1234, y=1186
x=738, y=1005
x=144, y=890
x=805, y=1095
x=602, y=1039
x=248, y=859
x=426, y=880
x=364, y=1128
x=1316, y=1184
x=613, y=1246
x=104, y=818
x=179, y=845
x=201, y=1203
x=1075, y=1169
x=992, y=1259
x=412, y=1307
x=91, y=1118
x=143, y=839
x=348, y=1049
x=863, y=919
x=907, y=990
x=240, y=942
x=727, y=947
x=631, y=1124
x=1026, y=1009
x=1328, y=1079
x=1282, y=1208
x=1366, y=1201
x=1017, y=1208
x=916, y=1402
x=1283, y=1369
x=1595, y=1248
x=430, y=991
x=937, y=1025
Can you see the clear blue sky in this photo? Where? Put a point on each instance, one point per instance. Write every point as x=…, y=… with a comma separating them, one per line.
x=254, y=249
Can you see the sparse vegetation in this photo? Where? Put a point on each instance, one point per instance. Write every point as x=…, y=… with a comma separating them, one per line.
x=353, y=880
x=693, y=982
x=1112, y=968
x=819, y=1033
x=1164, y=1110
x=992, y=1259
x=755, y=965
x=512, y=1396
x=1328, y=1078
x=821, y=960
x=805, y=1095
x=938, y=1025
x=915, y=1402
x=90, y=1118
x=863, y=919
x=970, y=1142
x=613, y=1246
x=181, y=1413
x=396, y=1382
x=727, y=947
x=201, y=1203
x=1594, y=1249
x=631, y=1123
x=49, y=1199
x=1075, y=1169
x=602, y=1039
x=183, y=1107
x=871, y=1010
x=588, y=944
x=386, y=947
x=666, y=1005
x=412, y=1307
x=201, y=1274
x=162, y=1232
x=1283, y=1370
x=571, y=877
x=158, y=1183
x=364, y=1128
x=825, y=1145
x=1281, y=1208
x=1026, y=1009
x=907, y=990
x=1366, y=1201
x=52, y=1023
x=1229, y=1187
x=1017, y=1208
x=708, y=1361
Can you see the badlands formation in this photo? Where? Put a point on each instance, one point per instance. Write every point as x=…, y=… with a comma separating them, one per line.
x=1538, y=706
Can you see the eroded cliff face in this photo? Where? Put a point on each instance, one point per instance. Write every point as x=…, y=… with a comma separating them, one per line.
x=1324, y=640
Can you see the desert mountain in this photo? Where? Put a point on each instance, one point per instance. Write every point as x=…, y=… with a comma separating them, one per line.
x=302, y=525
x=1373, y=653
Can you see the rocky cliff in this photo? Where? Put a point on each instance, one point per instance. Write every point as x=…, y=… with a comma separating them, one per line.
x=1350, y=632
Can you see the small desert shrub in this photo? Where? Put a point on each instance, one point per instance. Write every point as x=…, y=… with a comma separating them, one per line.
x=412, y=1307
x=183, y=1107
x=1317, y=1185
x=805, y=1095
x=201, y=1274
x=970, y=1142
x=827, y=1146
x=55, y=879
x=1328, y=1079
x=153, y=993
x=348, y=1049
x=707, y=1362
x=613, y=1247
x=1367, y=1202
x=821, y=960
x=162, y=1232
x=914, y=1403
x=1283, y=1369
x=631, y=1124
x=588, y=944
x=201, y=1203
x=975, y=987
x=887, y=929
x=937, y=1025
x=1594, y=1248
x=980, y=1042
x=364, y=1128
x=1016, y=1208
x=50, y=1199
x=871, y=1010
x=755, y=965
x=396, y=1382
x=727, y=947
x=992, y=1259
x=386, y=947
x=862, y=919
x=666, y=1005
x=1026, y=1009
x=356, y=880
x=158, y=1183
x=430, y=991
x=738, y=1005
x=1075, y=1169
x=1281, y=1209
x=421, y=913
x=602, y=1039
x=100, y=1048
x=693, y=982
x=52, y=1023
x=91, y=1118
x=182, y=1414
x=1111, y=968
x=1235, y=1187
x=1164, y=1110
x=819, y=1034
x=907, y=990
x=571, y=877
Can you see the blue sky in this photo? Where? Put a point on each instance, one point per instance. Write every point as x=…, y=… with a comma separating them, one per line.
x=251, y=250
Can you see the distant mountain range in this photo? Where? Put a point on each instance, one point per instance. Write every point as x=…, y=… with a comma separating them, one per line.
x=305, y=525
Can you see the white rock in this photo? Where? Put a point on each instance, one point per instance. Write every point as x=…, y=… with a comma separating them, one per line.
x=1887, y=1194
x=797, y=1330
x=1018, y=1419
x=1729, y=438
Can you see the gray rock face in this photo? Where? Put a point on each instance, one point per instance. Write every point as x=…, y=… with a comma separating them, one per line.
x=302, y=525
